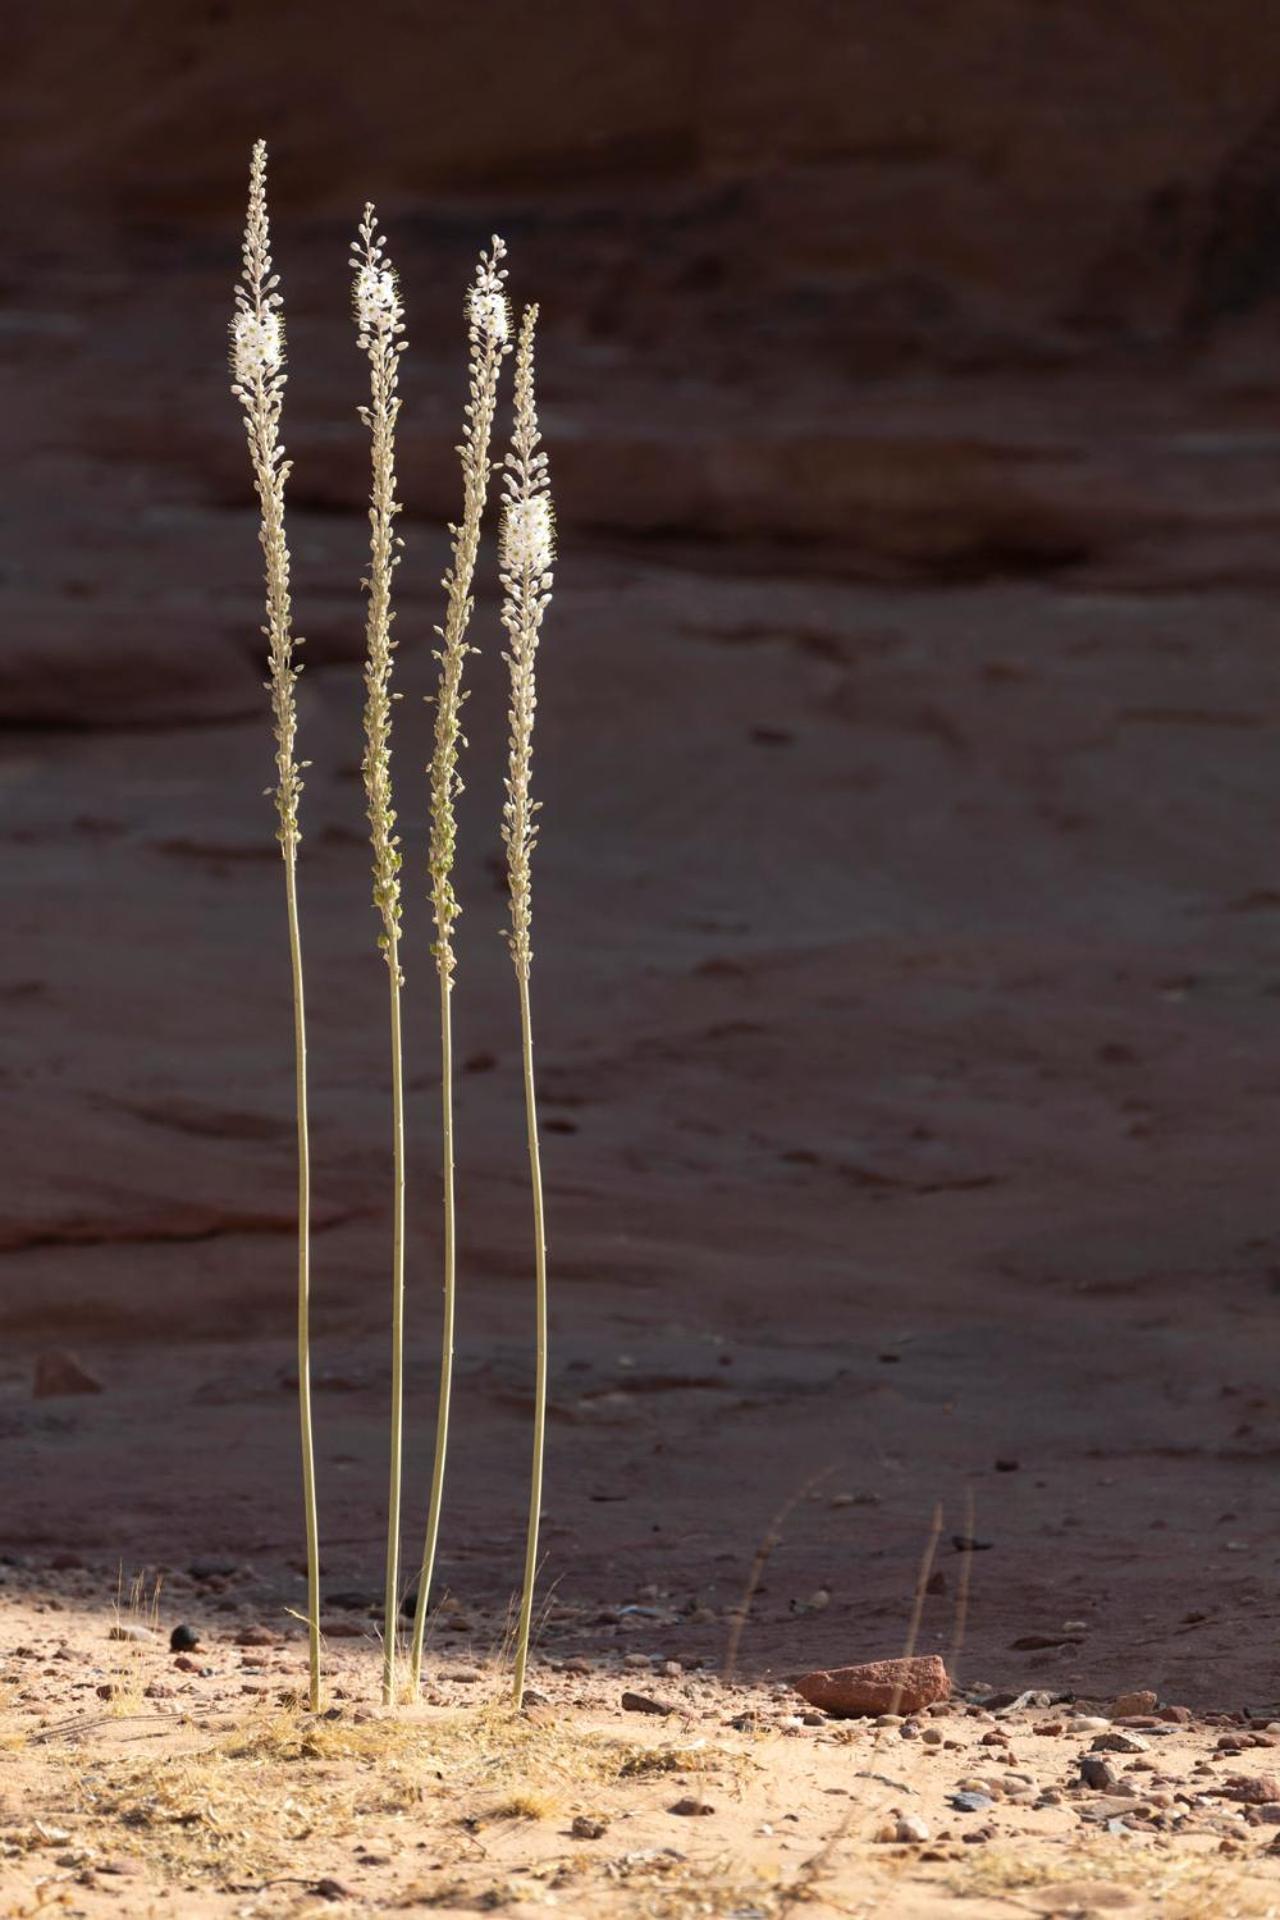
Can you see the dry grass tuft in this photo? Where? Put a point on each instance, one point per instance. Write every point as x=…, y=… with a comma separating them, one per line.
x=1183, y=1886
x=525, y=1805
x=229, y=1809
x=135, y=1609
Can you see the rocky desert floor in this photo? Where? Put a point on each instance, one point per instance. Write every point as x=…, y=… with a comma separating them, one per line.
x=138, y=1781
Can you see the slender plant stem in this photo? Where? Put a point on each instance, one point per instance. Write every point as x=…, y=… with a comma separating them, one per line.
x=488, y=326
x=391, y=1610
x=525, y=555
x=427, y=1572
x=379, y=316
x=304, y=1281
x=258, y=382
x=540, y=1385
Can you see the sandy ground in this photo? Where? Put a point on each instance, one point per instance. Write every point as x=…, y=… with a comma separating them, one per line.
x=135, y=1781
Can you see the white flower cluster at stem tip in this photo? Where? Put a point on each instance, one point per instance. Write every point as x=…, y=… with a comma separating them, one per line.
x=528, y=535
x=258, y=381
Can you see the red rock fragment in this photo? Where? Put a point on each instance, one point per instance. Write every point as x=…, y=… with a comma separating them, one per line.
x=1141, y=1701
x=878, y=1686
x=1255, y=1789
x=59, y=1372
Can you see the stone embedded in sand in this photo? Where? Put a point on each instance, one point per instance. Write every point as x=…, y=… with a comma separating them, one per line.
x=647, y=1703
x=257, y=1636
x=1255, y=1789
x=1117, y=1740
x=878, y=1686
x=1143, y=1701
x=970, y=1800
x=59, y=1372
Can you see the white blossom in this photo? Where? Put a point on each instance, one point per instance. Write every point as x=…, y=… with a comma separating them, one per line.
x=258, y=344
x=528, y=535
x=377, y=296
x=489, y=313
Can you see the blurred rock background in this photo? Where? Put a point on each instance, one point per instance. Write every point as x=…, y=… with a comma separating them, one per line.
x=907, y=924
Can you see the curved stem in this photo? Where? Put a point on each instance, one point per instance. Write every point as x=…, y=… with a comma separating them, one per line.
x=391, y=1604
x=304, y=1280
x=427, y=1571
x=540, y=1386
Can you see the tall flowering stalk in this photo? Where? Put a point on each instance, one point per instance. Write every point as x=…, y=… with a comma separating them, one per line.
x=488, y=330
x=526, y=553
x=257, y=362
x=379, y=315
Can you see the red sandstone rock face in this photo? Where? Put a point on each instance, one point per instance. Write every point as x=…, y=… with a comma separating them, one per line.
x=894, y=873
x=884, y=176
x=878, y=1686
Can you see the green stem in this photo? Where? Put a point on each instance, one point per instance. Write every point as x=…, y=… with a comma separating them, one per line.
x=391, y=1605
x=540, y=1386
x=304, y=1279
x=427, y=1571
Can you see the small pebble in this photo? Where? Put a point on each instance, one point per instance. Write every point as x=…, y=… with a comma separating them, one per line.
x=969, y=1802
